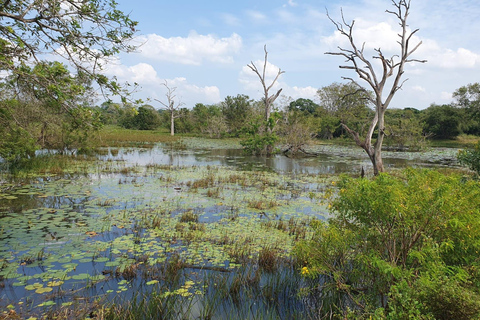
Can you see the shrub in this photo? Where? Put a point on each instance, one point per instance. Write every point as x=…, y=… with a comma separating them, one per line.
x=471, y=158
x=401, y=247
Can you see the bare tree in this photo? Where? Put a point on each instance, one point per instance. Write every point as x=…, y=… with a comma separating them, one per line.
x=171, y=106
x=393, y=66
x=267, y=98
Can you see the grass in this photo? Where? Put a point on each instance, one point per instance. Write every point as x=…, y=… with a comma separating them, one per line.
x=461, y=141
x=113, y=136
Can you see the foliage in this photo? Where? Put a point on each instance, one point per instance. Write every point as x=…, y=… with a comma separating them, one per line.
x=296, y=131
x=346, y=103
x=85, y=33
x=442, y=121
x=468, y=99
x=259, y=135
x=45, y=107
x=404, y=129
x=400, y=247
x=237, y=112
x=471, y=158
x=303, y=105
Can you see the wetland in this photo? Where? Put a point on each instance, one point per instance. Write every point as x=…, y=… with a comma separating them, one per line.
x=188, y=230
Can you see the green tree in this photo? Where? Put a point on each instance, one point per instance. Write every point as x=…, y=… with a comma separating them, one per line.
x=347, y=104
x=237, y=112
x=45, y=107
x=468, y=99
x=304, y=105
x=209, y=120
x=85, y=33
x=442, y=121
x=404, y=129
x=147, y=118
x=471, y=158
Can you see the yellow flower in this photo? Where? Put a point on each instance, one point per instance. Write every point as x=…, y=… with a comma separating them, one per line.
x=305, y=271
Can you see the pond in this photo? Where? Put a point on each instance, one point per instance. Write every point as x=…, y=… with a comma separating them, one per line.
x=167, y=220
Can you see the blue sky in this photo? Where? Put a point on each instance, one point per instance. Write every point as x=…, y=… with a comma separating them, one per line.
x=202, y=47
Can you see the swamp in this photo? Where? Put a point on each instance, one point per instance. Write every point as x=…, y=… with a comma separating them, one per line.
x=189, y=229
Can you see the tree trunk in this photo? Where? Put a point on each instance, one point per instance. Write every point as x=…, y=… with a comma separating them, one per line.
x=172, y=124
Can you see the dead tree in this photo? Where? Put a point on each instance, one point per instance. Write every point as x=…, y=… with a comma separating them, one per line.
x=391, y=67
x=267, y=98
x=171, y=106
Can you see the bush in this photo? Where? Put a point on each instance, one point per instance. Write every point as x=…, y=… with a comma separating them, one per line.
x=400, y=247
x=471, y=158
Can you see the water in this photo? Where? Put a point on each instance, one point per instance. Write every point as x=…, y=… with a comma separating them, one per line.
x=107, y=231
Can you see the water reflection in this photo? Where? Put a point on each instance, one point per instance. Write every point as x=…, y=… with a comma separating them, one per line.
x=322, y=163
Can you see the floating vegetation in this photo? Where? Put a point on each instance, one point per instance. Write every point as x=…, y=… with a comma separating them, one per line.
x=135, y=231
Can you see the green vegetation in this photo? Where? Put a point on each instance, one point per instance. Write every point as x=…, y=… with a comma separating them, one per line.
x=90, y=230
x=398, y=247
x=471, y=158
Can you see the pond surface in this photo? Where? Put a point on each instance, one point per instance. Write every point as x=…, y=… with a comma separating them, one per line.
x=110, y=227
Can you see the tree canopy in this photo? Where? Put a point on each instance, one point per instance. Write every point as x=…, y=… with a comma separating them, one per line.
x=85, y=33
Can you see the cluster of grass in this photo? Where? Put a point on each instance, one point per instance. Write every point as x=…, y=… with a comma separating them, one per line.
x=113, y=136
x=463, y=140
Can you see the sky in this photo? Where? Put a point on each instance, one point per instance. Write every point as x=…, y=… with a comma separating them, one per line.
x=202, y=48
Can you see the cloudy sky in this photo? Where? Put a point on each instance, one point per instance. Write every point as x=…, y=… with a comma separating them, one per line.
x=203, y=47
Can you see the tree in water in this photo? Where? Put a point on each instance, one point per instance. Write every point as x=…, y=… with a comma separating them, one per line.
x=377, y=81
x=171, y=106
x=268, y=99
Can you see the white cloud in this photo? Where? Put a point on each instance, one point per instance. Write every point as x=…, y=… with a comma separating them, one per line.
x=374, y=35
x=454, y=59
x=192, y=50
x=152, y=85
x=256, y=16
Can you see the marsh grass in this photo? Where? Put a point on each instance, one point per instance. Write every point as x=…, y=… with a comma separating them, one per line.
x=112, y=136
x=247, y=293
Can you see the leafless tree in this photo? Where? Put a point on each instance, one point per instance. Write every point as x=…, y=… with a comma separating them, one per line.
x=171, y=106
x=391, y=67
x=267, y=98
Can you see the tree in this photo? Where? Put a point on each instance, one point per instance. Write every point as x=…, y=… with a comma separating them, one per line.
x=404, y=130
x=237, y=111
x=468, y=99
x=171, y=106
x=147, y=118
x=346, y=103
x=364, y=68
x=401, y=246
x=442, y=122
x=304, y=105
x=85, y=33
x=268, y=99
x=34, y=116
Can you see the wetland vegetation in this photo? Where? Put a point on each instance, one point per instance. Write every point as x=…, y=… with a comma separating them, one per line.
x=185, y=228
x=106, y=215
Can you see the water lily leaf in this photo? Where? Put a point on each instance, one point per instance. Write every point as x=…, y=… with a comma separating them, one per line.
x=81, y=276
x=34, y=286
x=43, y=290
x=54, y=283
x=149, y=283
x=46, y=303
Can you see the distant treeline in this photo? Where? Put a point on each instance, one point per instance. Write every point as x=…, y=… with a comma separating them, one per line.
x=338, y=103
